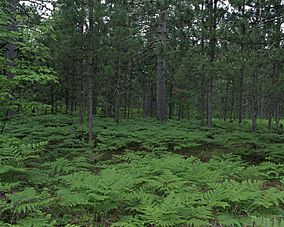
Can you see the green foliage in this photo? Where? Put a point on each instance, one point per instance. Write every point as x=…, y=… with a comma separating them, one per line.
x=141, y=173
x=173, y=191
x=29, y=66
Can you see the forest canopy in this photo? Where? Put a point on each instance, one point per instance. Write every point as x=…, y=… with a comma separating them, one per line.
x=164, y=59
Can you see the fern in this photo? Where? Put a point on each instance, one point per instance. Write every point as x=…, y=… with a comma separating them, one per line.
x=133, y=176
x=38, y=219
x=28, y=200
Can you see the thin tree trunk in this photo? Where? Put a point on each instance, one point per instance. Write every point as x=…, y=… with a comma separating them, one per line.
x=241, y=85
x=72, y=108
x=179, y=111
x=81, y=101
x=240, y=109
x=254, y=102
x=81, y=74
x=212, y=44
x=209, y=101
x=95, y=100
x=202, y=101
x=11, y=52
x=278, y=115
x=273, y=104
x=125, y=101
x=148, y=98
x=232, y=114
x=91, y=70
x=171, y=101
x=203, y=88
x=226, y=101
x=270, y=112
x=66, y=100
x=129, y=94
x=109, y=101
x=117, y=92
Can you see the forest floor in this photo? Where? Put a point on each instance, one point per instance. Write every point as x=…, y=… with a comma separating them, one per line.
x=140, y=173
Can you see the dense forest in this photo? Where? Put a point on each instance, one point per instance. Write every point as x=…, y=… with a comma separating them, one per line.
x=141, y=113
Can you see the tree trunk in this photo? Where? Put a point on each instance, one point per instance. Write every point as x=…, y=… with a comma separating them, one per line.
x=179, y=111
x=273, y=102
x=109, y=100
x=277, y=115
x=91, y=70
x=270, y=112
x=81, y=101
x=125, y=100
x=148, y=98
x=73, y=92
x=171, y=101
x=117, y=92
x=232, y=114
x=226, y=101
x=212, y=45
x=241, y=86
x=95, y=99
x=11, y=52
x=202, y=100
x=129, y=94
x=254, y=102
x=240, y=109
x=161, y=63
x=81, y=74
x=66, y=99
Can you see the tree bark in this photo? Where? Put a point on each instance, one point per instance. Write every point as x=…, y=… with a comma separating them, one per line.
x=11, y=52
x=73, y=93
x=241, y=85
x=226, y=101
x=212, y=45
x=254, y=102
x=202, y=100
x=66, y=99
x=232, y=114
x=240, y=109
x=81, y=74
x=277, y=115
x=203, y=87
x=270, y=112
x=161, y=63
x=171, y=102
x=273, y=102
x=91, y=70
x=148, y=98
x=129, y=94
x=117, y=92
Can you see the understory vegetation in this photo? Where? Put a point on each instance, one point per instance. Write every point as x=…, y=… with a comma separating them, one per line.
x=141, y=113
x=140, y=173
